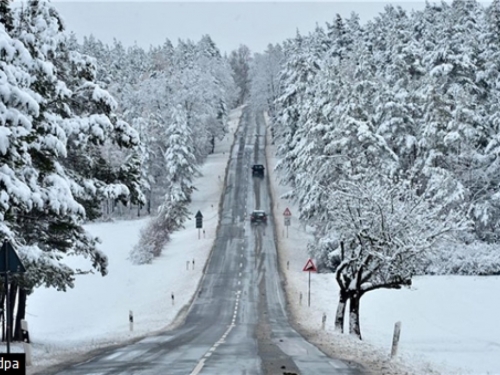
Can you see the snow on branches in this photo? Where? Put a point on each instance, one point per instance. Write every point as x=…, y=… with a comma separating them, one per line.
x=386, y=232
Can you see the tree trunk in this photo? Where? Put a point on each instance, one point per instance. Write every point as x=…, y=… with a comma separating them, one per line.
x=340, y=316
x=20, y=315
x=354, y=326
x=2, y=316
x=149, y=201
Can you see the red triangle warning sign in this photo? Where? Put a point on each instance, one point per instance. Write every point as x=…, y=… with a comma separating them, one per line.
x=287, y=212
x=310, y=266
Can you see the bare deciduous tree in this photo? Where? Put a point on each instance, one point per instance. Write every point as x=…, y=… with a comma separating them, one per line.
x=386, y=231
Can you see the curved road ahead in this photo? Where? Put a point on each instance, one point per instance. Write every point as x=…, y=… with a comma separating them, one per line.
x=237, y=323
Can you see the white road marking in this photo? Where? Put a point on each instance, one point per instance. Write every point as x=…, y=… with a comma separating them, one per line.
x=201, y=363
x=114, y=355
x=198, y=367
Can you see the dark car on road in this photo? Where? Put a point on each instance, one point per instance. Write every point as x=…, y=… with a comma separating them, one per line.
x=258, y=216
x=258, y=170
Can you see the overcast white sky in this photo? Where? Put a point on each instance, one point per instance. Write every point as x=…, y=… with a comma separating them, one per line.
x=229, y=23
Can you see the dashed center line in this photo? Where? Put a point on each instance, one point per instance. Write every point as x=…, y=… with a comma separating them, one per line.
x=201, y=363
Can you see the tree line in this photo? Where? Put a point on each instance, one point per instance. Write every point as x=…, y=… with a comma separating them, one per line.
x=388, y=133
x=177, y=99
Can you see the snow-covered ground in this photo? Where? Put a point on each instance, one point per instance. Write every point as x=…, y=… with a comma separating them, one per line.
x=449, y=324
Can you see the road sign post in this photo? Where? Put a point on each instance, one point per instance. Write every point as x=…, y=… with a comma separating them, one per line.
x=287, y=215
x=309, y=267
x=9, y=263
x=199, y=222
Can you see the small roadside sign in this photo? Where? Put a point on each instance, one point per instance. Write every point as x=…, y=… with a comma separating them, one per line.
x=287, y=221
x=287, y=212
x=9, y=261
x=310, y=266
x=199, y=220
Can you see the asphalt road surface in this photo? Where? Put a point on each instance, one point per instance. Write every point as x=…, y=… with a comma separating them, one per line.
x=238, y=322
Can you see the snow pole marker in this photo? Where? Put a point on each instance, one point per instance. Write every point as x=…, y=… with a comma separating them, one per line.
x=395, y=339
x=131, y=320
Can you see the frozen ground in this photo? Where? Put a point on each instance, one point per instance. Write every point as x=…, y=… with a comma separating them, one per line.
x=449, y=324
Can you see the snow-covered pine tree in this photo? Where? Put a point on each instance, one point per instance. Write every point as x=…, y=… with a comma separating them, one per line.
x=53, y=226
x=303, y=62
x=92, y=46
x=484, y=173
x=18, y=107
x=65, y=121
x=38, y=213
x=180, y=169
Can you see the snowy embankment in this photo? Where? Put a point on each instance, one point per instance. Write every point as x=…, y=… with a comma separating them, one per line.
x=96, y=312
x=449, y=323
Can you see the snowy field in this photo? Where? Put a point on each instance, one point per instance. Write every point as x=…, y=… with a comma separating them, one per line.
x=449, y=324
